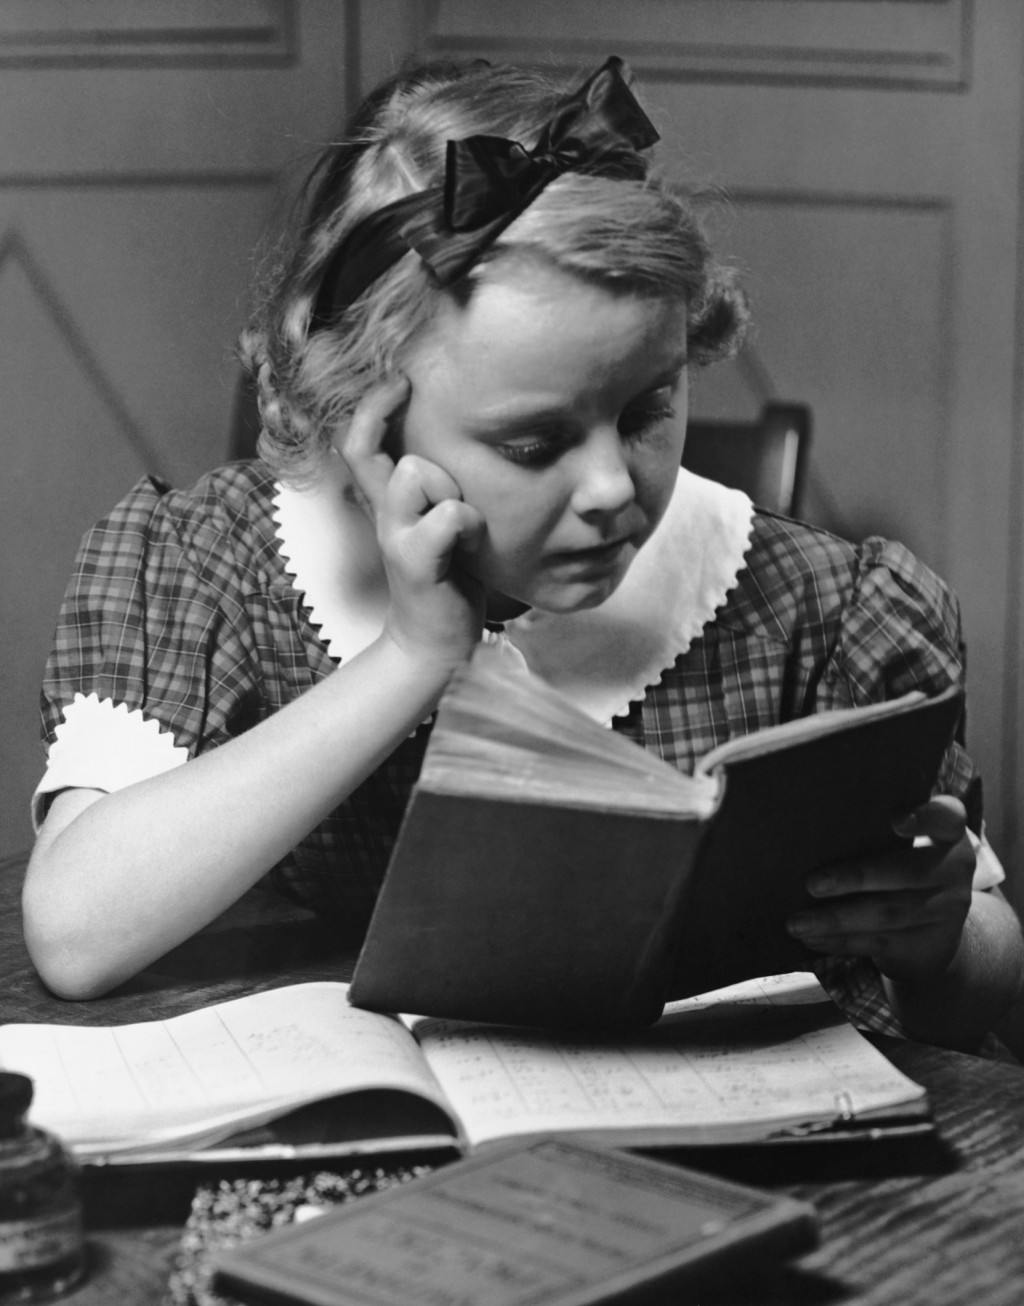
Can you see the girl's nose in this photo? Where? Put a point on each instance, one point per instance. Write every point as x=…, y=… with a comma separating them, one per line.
x=604, y=480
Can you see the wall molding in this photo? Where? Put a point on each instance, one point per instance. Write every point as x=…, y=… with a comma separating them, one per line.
x=940, y=212
x=901, y=45
x=15, y=251
x=110, y=33
x=1012, y=750
x=138, y=180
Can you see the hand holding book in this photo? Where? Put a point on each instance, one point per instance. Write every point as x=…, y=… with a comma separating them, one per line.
x=905, y=910
x=550, y=872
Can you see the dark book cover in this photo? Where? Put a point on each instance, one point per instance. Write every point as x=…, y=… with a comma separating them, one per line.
x=550, y=872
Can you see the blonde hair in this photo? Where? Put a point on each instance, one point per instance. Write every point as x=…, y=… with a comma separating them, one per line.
x=637, y=237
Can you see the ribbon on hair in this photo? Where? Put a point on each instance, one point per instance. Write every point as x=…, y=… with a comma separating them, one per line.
x=489, y=182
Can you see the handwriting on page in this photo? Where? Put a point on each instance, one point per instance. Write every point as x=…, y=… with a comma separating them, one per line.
x=161, y=1076
x=682, y=1072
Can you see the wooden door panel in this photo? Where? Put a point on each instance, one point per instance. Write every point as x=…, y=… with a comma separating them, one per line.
x=147, y=301
x=63, y=468
x=911, y=42
x=881, y=411
x=142, y=150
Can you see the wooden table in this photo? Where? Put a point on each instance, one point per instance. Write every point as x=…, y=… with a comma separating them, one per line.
x=896, y=1230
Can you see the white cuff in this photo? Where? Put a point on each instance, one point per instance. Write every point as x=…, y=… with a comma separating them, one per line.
x=988, y=870
x=100, y=746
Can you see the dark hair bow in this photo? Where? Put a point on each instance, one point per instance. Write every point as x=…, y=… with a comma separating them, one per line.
x=488, y=182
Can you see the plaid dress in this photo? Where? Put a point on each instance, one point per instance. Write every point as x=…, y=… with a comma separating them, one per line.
x=180, y=606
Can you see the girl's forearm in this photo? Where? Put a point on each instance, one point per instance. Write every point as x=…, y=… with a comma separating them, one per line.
x=126, y=877
x=980, y=990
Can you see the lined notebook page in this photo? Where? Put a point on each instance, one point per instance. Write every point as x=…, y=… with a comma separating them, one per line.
x=198, y=1076
x=741, y=1062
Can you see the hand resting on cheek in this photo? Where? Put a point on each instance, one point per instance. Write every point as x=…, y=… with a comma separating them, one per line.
x=422, y=522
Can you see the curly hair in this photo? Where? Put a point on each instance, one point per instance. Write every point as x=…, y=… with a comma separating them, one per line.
x=640, y=237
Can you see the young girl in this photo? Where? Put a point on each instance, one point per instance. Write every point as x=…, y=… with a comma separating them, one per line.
x=473, y=382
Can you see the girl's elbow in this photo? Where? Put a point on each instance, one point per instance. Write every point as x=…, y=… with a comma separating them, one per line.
x=64, y=969
x=57, y=950
x=72, y=984
x=66, y=977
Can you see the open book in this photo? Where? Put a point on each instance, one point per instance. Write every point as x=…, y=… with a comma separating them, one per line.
x=551, y=872
x=305, y=1074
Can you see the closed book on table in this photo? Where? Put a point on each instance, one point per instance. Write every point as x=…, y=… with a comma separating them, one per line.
x=551, y=1222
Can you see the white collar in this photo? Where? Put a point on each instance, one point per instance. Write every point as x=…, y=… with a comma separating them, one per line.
x=602, y=658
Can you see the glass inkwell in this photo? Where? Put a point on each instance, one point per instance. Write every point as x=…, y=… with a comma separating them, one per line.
x=42, y=1249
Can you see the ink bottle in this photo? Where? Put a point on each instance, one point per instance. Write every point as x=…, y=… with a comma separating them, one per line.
x=42, y=1249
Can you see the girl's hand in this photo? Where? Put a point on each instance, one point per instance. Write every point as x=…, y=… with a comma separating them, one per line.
x=437, y=609
x=905, y=909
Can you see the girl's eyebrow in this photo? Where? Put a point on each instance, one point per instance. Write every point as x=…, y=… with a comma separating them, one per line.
x=529, y=419
x=670, y=375
x=522, y=422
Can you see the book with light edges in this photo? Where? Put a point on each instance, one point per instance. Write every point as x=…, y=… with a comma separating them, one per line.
x=550, y=872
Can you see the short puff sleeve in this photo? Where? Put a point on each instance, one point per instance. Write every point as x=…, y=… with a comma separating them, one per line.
x=153, y=658
x=900, y=631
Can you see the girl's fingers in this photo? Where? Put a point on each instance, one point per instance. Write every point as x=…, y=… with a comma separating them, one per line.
x=426, y=519
x=873, y=914
x=942, y=819
x=361, y=445
x=450, y=525
x=417, y=485
x=911, y=868
x=881, y=947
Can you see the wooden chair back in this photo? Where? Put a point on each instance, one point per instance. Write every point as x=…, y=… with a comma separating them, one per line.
x=766, y=458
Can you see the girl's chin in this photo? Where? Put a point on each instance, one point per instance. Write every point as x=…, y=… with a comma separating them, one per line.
x=560, y=589
x=500, y=608
x=556, y=600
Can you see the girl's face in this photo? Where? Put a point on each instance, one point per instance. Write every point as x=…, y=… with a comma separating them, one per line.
x=560, y=410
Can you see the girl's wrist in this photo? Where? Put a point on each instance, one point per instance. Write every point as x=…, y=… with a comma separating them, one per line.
x=421, y=660
x=423, y=671
x=970, y=996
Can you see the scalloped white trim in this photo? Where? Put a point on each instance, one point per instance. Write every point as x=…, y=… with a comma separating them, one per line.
x=330, y=553
x=102, y=746
x=604, y=658
x=988, y=869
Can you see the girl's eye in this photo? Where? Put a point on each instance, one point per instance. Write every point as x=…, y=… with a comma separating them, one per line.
x=533, y=452
x=543, y=448
x=636, y=424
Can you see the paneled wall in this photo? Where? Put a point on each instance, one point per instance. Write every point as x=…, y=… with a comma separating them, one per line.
x=867, y=157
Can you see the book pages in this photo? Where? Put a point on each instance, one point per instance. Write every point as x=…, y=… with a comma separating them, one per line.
x=201, y=1076
x=763, y=1057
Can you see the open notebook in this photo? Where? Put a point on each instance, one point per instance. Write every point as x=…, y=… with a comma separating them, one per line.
x=299, y=1072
